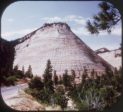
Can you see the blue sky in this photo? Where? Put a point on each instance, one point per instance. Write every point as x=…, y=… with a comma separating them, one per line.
x=20, y=18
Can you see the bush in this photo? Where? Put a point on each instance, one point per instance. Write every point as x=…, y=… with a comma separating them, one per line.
x=11, y=80
x=19, y=74
x=61, y=100
x=36, y=83
x=82, y=105
x=60, y=89
x=45, y=96
x=95, y=93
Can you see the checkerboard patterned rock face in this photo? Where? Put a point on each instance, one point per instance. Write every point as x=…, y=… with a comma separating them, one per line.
x=58, y=43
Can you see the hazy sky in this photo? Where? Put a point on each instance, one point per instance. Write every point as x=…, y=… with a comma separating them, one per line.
x=20, y=18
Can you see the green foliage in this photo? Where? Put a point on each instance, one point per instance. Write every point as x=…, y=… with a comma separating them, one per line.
x=23, y=70
x=16, y=68
x=44, y=95
x=97, y=92
x=34, y=92
x=29, y=72
x=73, y=74
x=74, y=94
x=66, y=79
x=106, y=19
x=81, y=105
x=19, y=74
x=60, y=100
x=93, y=93
x=60, y=81
x=48, y=83
x=48, y=72
x=12, y=76
x=37, y=90
x=41, y=95
x=92, y=28
x=36, y=83
x=60, y=89
x=16, y=73
x=55, y=78
x=11, y=80
x=42, y=90
x=84, y=76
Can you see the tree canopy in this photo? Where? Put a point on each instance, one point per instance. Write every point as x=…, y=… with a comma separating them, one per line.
x=105, y=20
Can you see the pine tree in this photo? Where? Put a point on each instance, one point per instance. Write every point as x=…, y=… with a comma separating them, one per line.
x=48, y=83
x=106, y=19
x=55, y=78
x=84, y=76
x=63, y=102
x=36, y=83
x=23, y=71
x=115, y=71
x=66, y=79
x=15, y=71
x=16, y=68
x=29, y=72
x=109, y=74
x=60, y=80
x=73, y=75
x=92, y=73
x=120, y=70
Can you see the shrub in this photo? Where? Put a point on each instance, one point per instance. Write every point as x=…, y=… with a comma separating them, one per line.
x=19, y=74
x=82, y=105
x=36, y=83
x=60, y=89
x=11, y=80
x=61, y=100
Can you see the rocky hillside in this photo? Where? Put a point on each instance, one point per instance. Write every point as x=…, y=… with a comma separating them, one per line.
x=111, y=56
x=102, y=50
x=56, y=41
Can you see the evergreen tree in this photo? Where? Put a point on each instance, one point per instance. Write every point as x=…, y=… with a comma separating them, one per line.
x=66, y=79
x=84, y=76
x=16, y=68
x=55, y=78
x=63, y=102
x=120, y=70
x=48, y=83
x=73, y=75
x=36, y=83
x=97, y=80
x=116, y=71
x=29, y=72
x=23, y=70
x=109, y=75
x=16, y=72
x=106, y=19
x=92, y=73
x=60, y=80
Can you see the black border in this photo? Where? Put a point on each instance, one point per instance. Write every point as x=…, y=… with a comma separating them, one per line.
x=118, y=107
